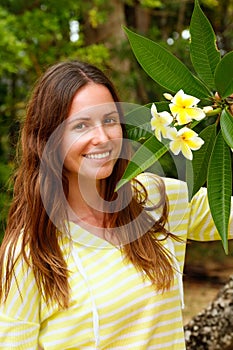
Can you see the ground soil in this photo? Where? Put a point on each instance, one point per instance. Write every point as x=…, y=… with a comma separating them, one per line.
x=207, y=269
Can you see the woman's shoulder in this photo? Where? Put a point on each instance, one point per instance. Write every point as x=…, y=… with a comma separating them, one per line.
x=152, y=183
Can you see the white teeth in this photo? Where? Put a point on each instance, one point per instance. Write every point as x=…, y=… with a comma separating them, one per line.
x=97, y=156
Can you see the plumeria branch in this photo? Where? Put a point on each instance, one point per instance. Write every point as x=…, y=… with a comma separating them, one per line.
x=175, y=126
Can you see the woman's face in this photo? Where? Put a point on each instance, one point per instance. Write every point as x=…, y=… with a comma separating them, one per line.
x=92, y=138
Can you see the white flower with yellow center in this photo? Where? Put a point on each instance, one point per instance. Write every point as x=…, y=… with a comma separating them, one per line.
x=160, y=122
x=184, y=108
x=184, y=141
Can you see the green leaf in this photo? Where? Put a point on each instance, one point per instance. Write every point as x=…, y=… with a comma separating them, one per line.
x=219, y=187
x=136, y=115
x=137, y=133
x=226, y=122
x=138, y=122
x=164, y=67
x=143, y=158
x=203, y=50
x=196, y=170
x=224, y=76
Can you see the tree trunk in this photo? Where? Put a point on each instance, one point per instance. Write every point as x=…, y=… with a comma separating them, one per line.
x=212, y=328
x=110, y=32
x=181, y=17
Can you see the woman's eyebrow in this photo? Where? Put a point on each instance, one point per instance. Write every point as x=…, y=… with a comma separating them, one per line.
x=112, y=112
x=80, y=118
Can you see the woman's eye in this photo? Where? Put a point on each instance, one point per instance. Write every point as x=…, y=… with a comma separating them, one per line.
x=111, y=120
x=108, y=120
x=80, y=126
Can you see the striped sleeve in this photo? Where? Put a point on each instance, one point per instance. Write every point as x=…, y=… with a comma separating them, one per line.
x=19, y=314
x=201, y=226
x=17, y=334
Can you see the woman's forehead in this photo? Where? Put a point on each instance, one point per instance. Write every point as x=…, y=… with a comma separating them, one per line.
x=90, y=95
x=93, y=112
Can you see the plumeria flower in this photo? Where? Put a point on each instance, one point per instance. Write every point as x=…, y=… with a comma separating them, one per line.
x=160, y=122
x=184, y=141
x=183, y=108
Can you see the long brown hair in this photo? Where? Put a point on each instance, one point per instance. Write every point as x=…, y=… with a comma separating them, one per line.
x=29, y=221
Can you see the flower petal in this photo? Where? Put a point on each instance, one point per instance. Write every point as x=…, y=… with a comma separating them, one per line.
x=178, y=98
x=171, y=133
x=183, y=117
x=158, y=134
x=174, y=109
x=186, y=151
x=187, y=132
x=168, y=96
x=166, y=117
x=207, y=109
x=166, y=131
x=153, y=123
x=184, y=100
x=195, y=143
x=175, y=147
x=195, y=113
x=153, y=110
x=190, y=101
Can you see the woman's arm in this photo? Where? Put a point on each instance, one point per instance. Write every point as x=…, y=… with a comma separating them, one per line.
x=19, y=313
x=201, y=225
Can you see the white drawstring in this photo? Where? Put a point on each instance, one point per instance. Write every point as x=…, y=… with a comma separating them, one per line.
x=95, y=315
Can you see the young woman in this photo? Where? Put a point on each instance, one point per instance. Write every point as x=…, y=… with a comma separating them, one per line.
x=83, y=266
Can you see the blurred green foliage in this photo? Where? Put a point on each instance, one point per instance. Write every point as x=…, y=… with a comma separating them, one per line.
x=36, y=34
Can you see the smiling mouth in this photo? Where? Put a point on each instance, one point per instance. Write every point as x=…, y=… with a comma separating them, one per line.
x=97, y=155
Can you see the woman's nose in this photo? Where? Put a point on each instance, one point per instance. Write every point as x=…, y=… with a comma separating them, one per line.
x=99, y=135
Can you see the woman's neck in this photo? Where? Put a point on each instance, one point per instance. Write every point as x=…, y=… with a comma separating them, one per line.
x=86, y=208
x=85, y=201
